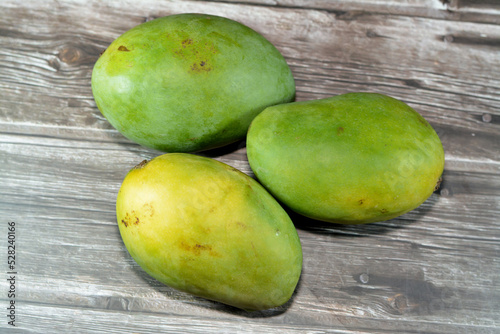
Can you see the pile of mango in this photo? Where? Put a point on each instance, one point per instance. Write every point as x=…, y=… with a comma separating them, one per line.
x=191, y=82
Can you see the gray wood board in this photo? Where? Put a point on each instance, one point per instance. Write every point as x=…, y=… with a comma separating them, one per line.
x=433, y=270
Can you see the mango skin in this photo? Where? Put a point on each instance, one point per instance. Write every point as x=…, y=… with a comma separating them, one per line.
x=189, y=82
x=203, y=227
x=351, y=159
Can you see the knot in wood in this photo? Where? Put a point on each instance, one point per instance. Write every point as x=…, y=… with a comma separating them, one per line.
x=70, y=55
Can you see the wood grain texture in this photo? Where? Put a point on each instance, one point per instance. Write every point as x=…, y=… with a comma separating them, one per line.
x=433, y=270
x=485, y=11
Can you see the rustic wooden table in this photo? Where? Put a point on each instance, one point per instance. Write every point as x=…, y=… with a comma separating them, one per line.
x=433, y=270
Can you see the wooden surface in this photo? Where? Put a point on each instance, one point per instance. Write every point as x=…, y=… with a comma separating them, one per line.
x=433, y=270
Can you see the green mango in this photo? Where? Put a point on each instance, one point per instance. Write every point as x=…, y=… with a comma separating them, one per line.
x=353, y=158
x=203, y=227
x=189, y=82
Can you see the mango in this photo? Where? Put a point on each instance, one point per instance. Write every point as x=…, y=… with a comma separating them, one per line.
x=351, y=159
x=203, y=227
x=189, y=82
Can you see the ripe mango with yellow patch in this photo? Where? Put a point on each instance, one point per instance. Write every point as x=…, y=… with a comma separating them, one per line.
x=203, y=227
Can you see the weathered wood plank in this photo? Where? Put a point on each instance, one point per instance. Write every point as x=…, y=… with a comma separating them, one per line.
x=484, y=11
x=399, y=280
x=433, y=270
x=92, y=321
x=46, y=73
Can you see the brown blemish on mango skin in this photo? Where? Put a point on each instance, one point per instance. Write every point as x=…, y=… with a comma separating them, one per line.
x=241, y=225
x=194, y=50
x=438, y=184
x=141, y=164
x=186, y=42
x=123, y=48
x=130, y=219
x=198, y=248
x=200, y=67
